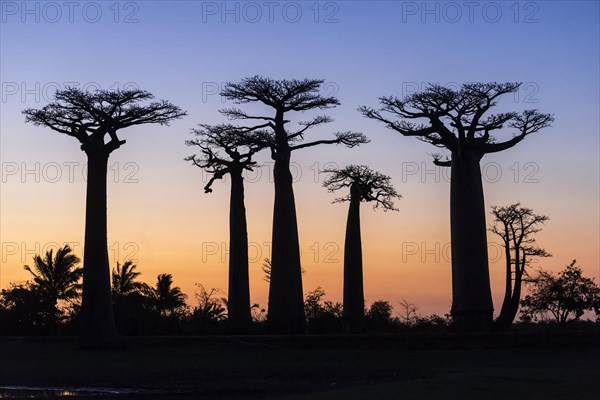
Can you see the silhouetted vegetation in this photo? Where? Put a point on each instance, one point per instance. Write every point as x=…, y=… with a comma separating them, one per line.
x=26, y=311
x=210, y=311
x=239, y=146
x=365, y=185
x=162, y=309
x=459, y=121
x=94, y=119
x=516, y=225
x=56, y=302
x=282, y=97
x=565, y=296
x=46, y=304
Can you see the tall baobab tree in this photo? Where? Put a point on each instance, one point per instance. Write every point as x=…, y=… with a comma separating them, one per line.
x=515, y=225
x=365, y=185
x=93, y=118
x=459, y=121
x=283, y=97
x=237, y=157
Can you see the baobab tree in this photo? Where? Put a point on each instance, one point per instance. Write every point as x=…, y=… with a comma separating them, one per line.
x=459, y=121
x=365, y=185
x=283, y=97
x=238, y=151
x=93, y=118
x=516, y=225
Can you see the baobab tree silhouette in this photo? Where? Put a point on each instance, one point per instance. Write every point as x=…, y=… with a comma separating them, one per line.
x=515, y=225
x=286, y=306
x=457, y=120
x=91, y=118
x=238, y=148
x=365, y=185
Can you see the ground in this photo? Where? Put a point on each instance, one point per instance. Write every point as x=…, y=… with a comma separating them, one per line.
x=509, y=366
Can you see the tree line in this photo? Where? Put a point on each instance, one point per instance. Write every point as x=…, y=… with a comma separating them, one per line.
x=50, y=304
x=458, y=120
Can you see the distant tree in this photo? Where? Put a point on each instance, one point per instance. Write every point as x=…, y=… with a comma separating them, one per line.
x=516, y=226
x=458, y=121
x=285, y=311
x=133, y=313
x=379, y=316
x=323, y=316
x=266, y=268
x=365, y=185
x=124, y=281
x=165, y=298
x=56, y=278
x=565, y=296
x=25, y=311
x=238, y=151
x=312, y=304
x=408, y=315
x=210, y=310
x=380, y=309
x=94, y=119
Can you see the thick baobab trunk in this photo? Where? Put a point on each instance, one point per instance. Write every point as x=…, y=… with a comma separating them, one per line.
x=472, y=306
x=97, y=319
x=239, y=285
x=286, y=304
x=354, y=299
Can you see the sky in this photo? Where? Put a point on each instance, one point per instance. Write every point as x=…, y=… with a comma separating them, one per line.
x=185, y=51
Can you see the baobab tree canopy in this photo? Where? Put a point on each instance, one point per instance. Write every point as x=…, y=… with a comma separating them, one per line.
x=373, y=186
x=90, y=116
x=284, y=96
x=212, y=140
x=458, y=119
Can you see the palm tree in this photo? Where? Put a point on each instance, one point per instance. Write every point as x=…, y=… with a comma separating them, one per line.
x=56, y=277
x=124, y=281
x=164, y=298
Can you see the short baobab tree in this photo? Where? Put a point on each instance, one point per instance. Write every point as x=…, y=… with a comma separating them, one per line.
x=460, y=122
x=516, y=226
x=93, y=118
x=365, y=185
x=227, y=150
x=282, y=98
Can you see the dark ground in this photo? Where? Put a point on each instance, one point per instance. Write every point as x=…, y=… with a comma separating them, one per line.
x=417, y=366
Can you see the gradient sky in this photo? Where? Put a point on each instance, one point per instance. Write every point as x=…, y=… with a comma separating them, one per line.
x=184, y=51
